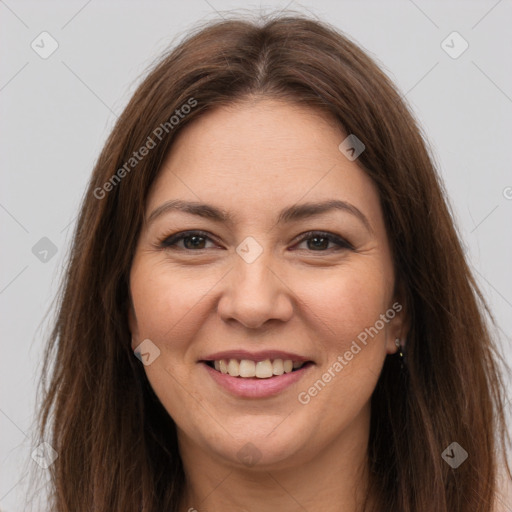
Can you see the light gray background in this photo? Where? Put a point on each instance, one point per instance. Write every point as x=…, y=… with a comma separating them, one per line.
x=56, y=114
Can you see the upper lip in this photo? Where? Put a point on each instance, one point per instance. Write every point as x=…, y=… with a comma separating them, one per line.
x=254, y=356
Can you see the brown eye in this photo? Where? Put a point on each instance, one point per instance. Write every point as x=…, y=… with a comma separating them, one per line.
x=192, y=240
x=319, y=241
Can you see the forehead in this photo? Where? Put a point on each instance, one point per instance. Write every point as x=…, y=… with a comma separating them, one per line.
x=262, y=132
x=261, y=155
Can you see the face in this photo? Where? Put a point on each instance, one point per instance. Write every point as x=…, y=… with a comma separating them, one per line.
x=298, y=298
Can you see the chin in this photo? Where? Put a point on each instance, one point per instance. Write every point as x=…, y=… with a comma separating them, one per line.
x=261, y=448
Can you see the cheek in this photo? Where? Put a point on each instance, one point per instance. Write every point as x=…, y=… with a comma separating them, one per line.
x=347, y=301
x=346, y=308
x=151, y=297
x=167, y=303
x=168, y=306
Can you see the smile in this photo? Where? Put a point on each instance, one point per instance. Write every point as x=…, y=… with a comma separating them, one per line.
x=253, y=386
x=246, y=368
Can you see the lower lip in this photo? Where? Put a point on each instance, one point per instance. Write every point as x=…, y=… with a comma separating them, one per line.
x=255, y=387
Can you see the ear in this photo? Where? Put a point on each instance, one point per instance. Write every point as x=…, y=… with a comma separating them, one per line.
x=133, y=324
x=399, y=324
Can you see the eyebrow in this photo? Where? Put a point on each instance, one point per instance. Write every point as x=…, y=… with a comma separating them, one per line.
x=287, y=215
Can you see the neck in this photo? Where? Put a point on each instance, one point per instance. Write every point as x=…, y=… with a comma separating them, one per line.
x=335, y=479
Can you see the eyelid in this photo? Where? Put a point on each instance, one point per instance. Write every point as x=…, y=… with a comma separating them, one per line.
x=340, y=241
x=180, y=235
x=169, y=241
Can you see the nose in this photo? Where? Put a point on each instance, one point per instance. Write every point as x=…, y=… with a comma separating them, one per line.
x=255, y=293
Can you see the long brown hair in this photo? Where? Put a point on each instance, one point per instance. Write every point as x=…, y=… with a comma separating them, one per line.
x=116, y=444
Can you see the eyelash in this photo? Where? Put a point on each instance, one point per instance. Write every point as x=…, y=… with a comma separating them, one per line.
x=169, y=241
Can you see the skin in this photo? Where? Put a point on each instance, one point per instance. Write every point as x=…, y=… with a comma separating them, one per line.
x=253, y=159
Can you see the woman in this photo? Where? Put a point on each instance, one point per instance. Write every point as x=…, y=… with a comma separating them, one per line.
x=267, y=305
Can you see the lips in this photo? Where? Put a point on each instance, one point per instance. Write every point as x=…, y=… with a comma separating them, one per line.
x=255, y=374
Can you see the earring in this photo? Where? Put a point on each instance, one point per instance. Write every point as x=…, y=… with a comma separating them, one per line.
x=400, y=351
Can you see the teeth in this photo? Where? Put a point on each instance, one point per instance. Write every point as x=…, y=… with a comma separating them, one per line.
x=233, y=368
x=261, y=369
x=247, y=368
x=278, y=368
x=264, y=369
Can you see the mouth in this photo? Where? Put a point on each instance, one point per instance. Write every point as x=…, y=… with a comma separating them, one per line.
x=251, y=369
x=249, y=375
